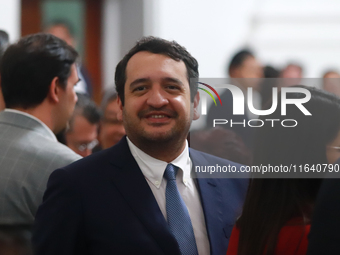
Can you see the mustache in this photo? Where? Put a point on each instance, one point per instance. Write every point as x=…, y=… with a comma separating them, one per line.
x=163, y=110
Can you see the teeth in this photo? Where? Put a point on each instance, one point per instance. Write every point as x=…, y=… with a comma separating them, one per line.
x=157, y=116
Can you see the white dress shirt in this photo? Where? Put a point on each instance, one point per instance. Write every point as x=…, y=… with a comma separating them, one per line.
x=153, y=170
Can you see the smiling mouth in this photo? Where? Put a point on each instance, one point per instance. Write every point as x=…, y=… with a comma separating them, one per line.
x=158, y=116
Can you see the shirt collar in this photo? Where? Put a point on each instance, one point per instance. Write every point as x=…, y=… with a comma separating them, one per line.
x=153, y=169
x=52, y=135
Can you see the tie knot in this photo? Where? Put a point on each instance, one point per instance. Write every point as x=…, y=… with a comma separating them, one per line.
x=170, y=172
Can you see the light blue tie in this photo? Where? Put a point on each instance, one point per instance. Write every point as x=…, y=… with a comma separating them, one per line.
x=178, y=215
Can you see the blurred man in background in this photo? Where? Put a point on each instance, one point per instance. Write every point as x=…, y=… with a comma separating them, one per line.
x=81, y=136
x=292, y=74
x=82, y=133
x=246, y=69
x=245, y=72
x=111, y=129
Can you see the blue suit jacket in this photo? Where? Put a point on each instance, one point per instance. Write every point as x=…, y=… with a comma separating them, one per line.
x=102, y=204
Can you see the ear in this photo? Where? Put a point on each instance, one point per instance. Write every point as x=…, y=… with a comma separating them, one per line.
x=120, y=112
x=196, y=103
x=54, y=92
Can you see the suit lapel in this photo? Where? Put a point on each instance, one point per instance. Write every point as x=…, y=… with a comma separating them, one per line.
x=212, y=200
x=132, y=185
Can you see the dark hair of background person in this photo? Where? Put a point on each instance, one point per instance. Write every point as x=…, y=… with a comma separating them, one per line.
x=270, y=75
x=84, y=107
x=4, y=40
x=158, y=46
x=15, y=240
x=29, y=66
x=238, y=59
x=270, y=203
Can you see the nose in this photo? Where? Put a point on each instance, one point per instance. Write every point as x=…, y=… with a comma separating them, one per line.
x=157, y=97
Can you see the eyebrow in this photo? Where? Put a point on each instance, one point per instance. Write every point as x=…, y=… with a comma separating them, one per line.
x=136, y=82
x=166, y=79
x=174, y=80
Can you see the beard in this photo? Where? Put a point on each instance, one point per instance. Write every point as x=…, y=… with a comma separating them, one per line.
x=137, y=131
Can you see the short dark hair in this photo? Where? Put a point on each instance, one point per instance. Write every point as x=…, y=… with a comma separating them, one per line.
x=158, y=46
x=87, y=108
x=29, y=66
x=238, y=59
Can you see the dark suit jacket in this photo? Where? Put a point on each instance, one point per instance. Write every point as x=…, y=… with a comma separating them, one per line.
x=324, y=237
x=103, y=205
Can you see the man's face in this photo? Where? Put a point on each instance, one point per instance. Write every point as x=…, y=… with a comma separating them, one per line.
x=157, y=99
x=111, y=129
x=82, y=136
x=67, y=100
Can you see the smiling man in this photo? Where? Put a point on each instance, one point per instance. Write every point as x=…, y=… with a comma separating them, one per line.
x=139, y=196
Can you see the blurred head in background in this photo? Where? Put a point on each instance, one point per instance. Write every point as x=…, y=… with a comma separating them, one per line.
x=62, y=30
x=81, y=136
x=292, y=74
x=331, y=82
x=111, y=129
x=247, y=68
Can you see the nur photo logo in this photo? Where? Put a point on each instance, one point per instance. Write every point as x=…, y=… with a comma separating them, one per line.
x=244, y=98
